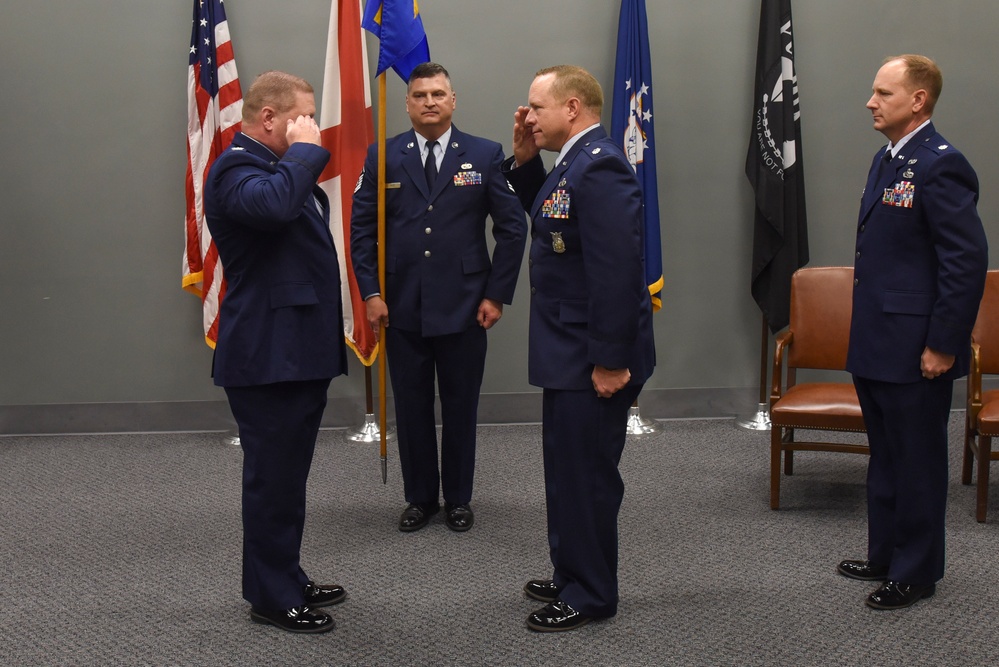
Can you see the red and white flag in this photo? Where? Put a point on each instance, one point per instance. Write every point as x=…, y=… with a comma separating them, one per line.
x=214, y=113
x=347, y=131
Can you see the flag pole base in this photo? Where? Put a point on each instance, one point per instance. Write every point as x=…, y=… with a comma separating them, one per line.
x=637, y=425
x=759, y=421
x=369, y=431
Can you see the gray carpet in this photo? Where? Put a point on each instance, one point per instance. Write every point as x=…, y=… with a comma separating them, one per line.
x=125, y=550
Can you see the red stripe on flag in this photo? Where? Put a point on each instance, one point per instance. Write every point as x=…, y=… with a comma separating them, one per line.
x=208, y=136
x=349, y=130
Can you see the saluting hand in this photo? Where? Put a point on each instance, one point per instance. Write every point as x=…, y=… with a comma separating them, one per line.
x=524, y=148
x=303, y=129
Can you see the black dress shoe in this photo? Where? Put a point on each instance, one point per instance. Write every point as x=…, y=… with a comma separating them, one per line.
x=322, y=595
x=459, y=517
x=556, y=616
x=416, y=516
x=864, y=570
x=541, y=589
x=896, y=595
x=296, y=619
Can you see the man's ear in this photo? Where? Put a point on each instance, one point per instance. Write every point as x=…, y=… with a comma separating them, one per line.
x=267, y=115
x=918, y=100
x=573, y=105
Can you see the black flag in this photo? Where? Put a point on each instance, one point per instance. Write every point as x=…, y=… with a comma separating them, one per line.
x=773, y=166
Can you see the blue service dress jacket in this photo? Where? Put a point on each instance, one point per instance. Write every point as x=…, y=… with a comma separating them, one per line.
x=437, y=262
x=281, y=318
x=921, y=259
x=589, y=301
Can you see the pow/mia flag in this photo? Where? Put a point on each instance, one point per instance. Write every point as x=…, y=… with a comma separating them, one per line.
x=774, y=169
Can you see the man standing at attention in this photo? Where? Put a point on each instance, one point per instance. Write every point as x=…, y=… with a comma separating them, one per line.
x=919, y=274
x=590, y=347
x=443, y=292
x=280, y=337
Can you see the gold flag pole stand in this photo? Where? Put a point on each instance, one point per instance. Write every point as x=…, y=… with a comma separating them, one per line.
x=760, y=420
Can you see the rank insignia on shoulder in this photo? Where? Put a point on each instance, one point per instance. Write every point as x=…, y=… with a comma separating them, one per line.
x=943, y=147
x=238, y=148
x=596, y=150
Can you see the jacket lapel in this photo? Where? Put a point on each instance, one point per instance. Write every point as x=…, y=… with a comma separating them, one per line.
x=881, y=176
x=453, y=156
x=413, y=165
x=555, y=175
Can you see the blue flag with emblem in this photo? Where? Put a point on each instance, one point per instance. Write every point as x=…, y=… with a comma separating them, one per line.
x=631, y=124
x=399, y=28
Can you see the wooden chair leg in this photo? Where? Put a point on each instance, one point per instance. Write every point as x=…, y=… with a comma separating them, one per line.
x=969, y=456
x=789, y=454
x=775, y=451
x=984, y=460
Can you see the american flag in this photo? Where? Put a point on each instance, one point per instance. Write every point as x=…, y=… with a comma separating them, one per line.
x=347, y=131
x=214, y=111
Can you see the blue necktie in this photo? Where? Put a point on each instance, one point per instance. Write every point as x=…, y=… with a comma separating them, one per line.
x=430, y=166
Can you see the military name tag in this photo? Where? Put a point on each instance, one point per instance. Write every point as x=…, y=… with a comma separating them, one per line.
x=558, y=245
x=556, y=206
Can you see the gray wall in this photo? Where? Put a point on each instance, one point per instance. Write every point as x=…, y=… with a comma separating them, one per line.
x=92, y=199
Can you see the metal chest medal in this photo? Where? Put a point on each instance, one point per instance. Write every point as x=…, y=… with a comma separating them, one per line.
x=558, y=245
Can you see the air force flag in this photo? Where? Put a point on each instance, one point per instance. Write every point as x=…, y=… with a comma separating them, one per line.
x=631, y=124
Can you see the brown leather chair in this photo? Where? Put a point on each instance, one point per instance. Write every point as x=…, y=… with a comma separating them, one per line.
x=817, y=338
x=982, y=417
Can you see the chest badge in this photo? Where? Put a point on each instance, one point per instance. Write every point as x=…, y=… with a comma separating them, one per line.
x=558, y=245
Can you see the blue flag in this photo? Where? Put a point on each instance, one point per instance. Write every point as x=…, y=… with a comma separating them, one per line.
x=631, y=124
x=397, y=24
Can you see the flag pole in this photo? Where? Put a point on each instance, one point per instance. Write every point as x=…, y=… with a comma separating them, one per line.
x=760, y=421
x=383, y=452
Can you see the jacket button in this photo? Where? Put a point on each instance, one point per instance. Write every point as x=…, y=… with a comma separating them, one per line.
x=856, y=281
x=858, y=254
x=430, y=208
x=426, y=253
x=534, y=290
x=426, y=231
